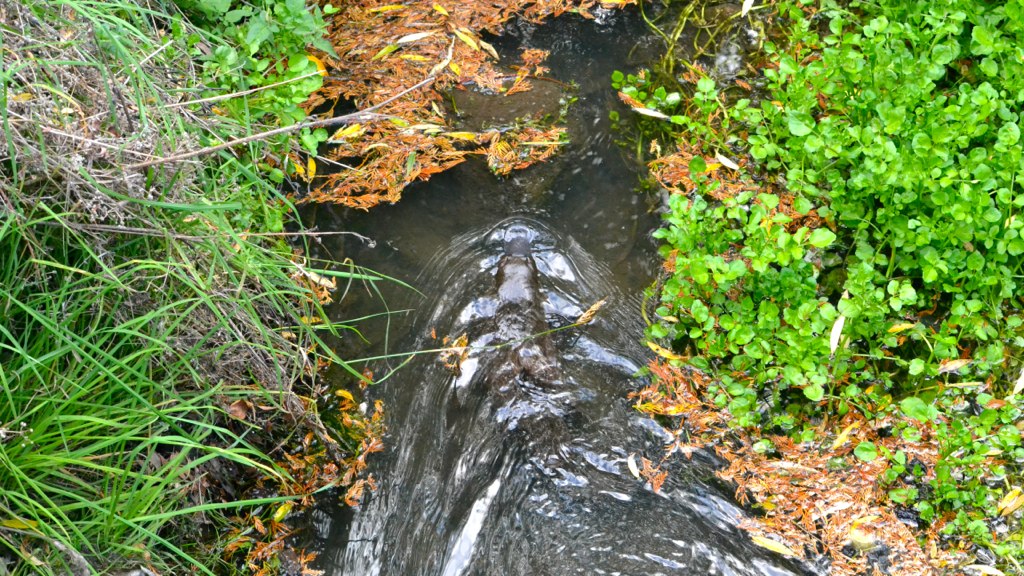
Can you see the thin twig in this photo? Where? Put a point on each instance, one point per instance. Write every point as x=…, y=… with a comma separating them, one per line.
x=76, y=561
x=164, y=234
x=344, y=119
x=56, y=132
x=242, y=93
x=154, y=53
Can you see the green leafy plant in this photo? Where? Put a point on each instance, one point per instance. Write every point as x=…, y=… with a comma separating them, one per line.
x=262, y=48
x=143, y=312
x=893, y=130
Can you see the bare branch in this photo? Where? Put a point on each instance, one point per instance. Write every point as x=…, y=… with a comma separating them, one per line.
x=326, y=122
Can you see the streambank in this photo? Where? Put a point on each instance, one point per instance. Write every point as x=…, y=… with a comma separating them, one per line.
x=836, y=298
x=159, y=357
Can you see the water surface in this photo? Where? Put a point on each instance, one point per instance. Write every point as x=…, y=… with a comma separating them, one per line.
x=538, y=483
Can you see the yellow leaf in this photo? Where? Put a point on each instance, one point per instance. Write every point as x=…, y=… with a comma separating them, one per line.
x=321, y=281
x=727, y=162
x=837, y=334
x=440, y=9
x=971, y=384
x=664, y=352
x=543, y=143
x=376, y=146
x=388, y=8
x=455, y=68
x=414, y=37
x=1019, y=384
x=468, y=39
x=489, y=49
x=282, y=511
x=19, y=524
x=456, y=353
x=350, y=131
x=984, y=570
x=774, y=546
x=646, y=407
x=900, y=327
x=310, y=168
x=1009, y=503
x=442, y=64
x=633, y=468
x=319, y=64
x=299, y=169
x=345, y=394
x=650, y=112
x=385, y=51
x=414, y=57
x=424, y=127
x=857, y=523
x=23, y=97
x=841, y=439
x=467, y=136
x=947, y=366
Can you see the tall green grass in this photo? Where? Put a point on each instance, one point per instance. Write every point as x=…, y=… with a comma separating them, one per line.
x=135, y=308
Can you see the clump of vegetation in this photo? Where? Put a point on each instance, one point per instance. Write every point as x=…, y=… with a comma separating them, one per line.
x=399, y=79
x=262, y=48
x=843, y=239
x=160, y=340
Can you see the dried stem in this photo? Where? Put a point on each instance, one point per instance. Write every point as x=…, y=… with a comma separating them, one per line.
x=344, y=119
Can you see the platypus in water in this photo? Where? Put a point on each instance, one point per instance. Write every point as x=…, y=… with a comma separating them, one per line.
x=520, y=322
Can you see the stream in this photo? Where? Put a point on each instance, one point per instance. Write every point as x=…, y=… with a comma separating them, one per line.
x=497, y=470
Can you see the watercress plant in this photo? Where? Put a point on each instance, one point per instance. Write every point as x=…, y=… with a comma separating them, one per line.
x=872, y=259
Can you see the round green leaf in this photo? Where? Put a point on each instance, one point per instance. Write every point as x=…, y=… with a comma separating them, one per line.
x=698, y=165
x=699, y=311
x=821, y=237
x=814, y=392
x=866, y=451
x=800, y=123
x=1009, y=134
x=918, y=409
x=916, y=366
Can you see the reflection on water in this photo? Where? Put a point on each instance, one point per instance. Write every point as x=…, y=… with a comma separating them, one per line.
x=482, y=479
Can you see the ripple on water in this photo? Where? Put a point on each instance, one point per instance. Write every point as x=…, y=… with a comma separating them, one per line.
x=539, y=484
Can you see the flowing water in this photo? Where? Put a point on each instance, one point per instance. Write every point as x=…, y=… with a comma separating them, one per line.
x=498, y=470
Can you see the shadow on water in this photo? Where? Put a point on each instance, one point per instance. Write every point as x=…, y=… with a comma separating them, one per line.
x=499, y=471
